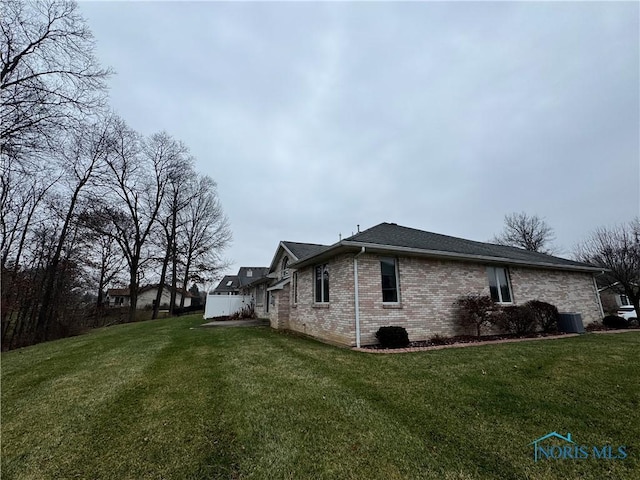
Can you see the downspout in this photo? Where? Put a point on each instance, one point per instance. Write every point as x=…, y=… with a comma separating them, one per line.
x=595, y=287
x=357, y=299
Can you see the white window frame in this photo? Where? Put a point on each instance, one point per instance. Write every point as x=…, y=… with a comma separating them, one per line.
x=492, y=273
x=294, y=280
x=315, y=286
x=397, y=279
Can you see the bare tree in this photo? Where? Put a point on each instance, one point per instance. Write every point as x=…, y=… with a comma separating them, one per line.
x=81, y=161
x=104, y=261
x=204, y=234
x=49, y=77
x=139, y=171
x=616, y=249
x=526, y=231
x=176, y=198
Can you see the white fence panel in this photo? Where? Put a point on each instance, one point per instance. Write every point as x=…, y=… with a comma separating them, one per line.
x=221, y=305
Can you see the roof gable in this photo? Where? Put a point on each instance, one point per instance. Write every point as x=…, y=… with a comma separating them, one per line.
x=303, y=250
x=296, y=251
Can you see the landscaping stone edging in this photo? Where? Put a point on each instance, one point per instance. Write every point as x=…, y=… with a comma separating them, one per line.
x=487, y=342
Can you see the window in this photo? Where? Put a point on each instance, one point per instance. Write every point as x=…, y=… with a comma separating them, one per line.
x=285, y=269
x=389, y=274
x=259, y=294
x=624, y=300
x=295, y=287
x=229, y=283
x=249, y=273
x=499, y=284
x=322, y=283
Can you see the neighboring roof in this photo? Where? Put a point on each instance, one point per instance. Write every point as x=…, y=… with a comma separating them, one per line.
x=256, y=274
x=224, y=285
x=120, y=292
x=398, y=239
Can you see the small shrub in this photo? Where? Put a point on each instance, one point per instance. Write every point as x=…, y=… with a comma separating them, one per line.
x=518, y=319
x=475, y=311
x=546, y=315
x=594, y=327
x=438, y=339
x=246, y=313
x=613, y=321
x=392, y=337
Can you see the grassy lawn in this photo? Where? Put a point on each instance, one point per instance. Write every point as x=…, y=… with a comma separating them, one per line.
x=162, y=400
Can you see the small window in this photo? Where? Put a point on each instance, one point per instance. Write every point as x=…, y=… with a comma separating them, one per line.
x=285, y=267
x=321, y=283
x=499, y=284
x=295, y=287
x=259, y=295
x=249, y=273
x=229, y=283
x=624, y=300
x=389, y=274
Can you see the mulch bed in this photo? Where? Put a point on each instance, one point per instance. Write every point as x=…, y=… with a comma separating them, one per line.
x=467, y=340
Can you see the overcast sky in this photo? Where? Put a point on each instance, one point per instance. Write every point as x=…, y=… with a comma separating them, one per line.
x=315, y=117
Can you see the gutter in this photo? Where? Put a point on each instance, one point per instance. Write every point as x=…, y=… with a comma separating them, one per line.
x=357, y=298
x=347, y=244
x=595, y=287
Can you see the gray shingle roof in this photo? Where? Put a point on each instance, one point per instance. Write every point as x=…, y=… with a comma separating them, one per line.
x=223, y=287
x=304, y=250
x=256, y=273
x=390, y=234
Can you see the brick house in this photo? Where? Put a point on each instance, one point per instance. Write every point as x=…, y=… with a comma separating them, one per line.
x=270, y=293
x=394, y=275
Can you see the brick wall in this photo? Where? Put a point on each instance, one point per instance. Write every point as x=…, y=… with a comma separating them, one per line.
x=428, y=290
x=569, y=291
x=335, y=321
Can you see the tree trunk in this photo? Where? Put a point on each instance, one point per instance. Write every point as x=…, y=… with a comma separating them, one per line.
x=163, y=277
x=186, y=280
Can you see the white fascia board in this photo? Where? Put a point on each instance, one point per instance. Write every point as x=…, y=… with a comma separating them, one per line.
x=280, y=285
x=373, y=247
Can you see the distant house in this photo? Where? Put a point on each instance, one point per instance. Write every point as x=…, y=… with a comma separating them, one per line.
x=121, y=297
x=229, y=285
x=117, y=297
x=612, y=294
x=236, y=284
x=395, y=275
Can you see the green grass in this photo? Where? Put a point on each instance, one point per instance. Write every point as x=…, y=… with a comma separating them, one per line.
x=162, y=400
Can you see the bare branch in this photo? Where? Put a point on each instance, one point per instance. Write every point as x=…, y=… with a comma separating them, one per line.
x=529, y=232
